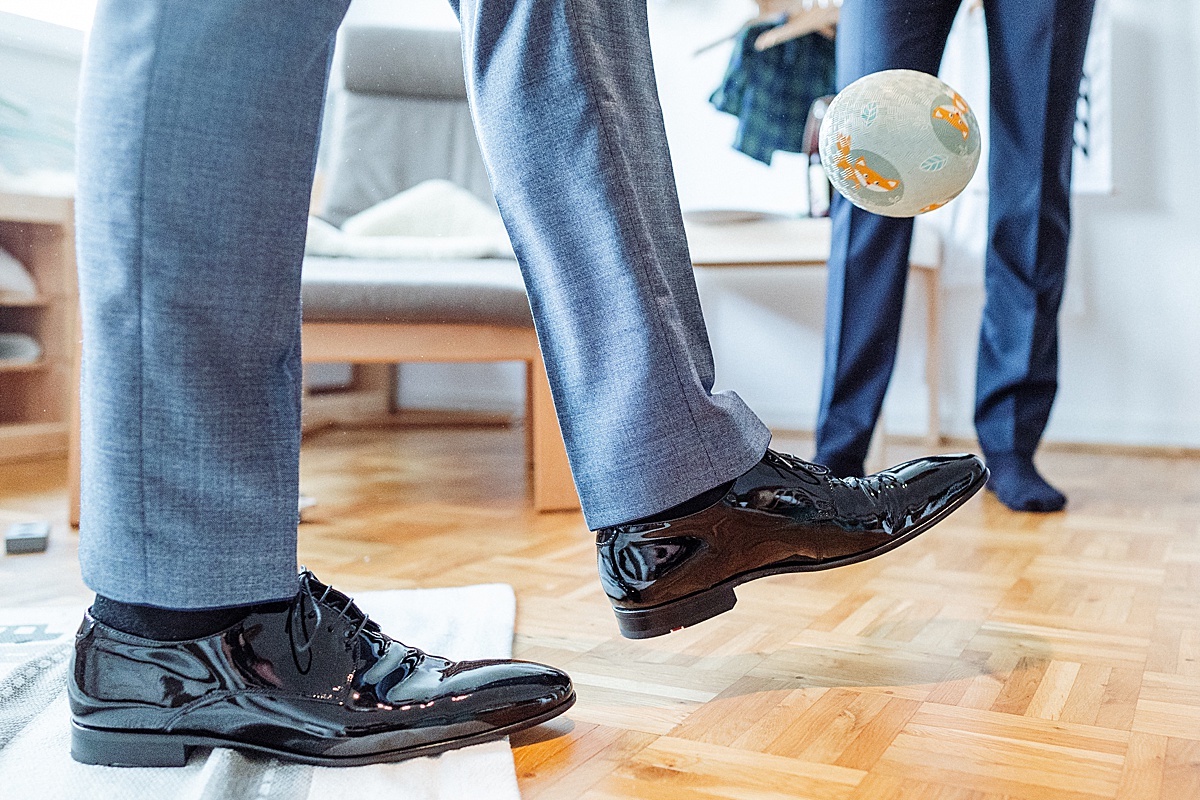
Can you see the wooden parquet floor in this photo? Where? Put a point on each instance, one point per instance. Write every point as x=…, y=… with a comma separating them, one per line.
x=998, y=656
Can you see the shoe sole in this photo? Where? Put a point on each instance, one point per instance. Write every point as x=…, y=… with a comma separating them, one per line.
x=646, y=623
x=123, y=748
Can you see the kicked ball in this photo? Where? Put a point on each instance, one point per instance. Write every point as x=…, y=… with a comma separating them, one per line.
x=899, y=143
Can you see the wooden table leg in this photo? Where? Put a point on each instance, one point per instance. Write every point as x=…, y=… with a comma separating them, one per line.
x=933, y=354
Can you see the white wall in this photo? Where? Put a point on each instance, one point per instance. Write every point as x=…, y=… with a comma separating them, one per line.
x=1131, y=359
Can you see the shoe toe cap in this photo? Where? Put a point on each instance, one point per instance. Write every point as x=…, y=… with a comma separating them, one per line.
x=933, y=484
x=503, y=693
x=941, y=471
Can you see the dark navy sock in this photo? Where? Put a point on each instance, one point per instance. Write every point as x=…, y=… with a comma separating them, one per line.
x=1018, y=484
x=841, y=467
x=169, y=624
x=688, y=507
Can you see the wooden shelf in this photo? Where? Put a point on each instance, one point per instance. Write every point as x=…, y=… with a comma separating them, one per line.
x=41, y=301
x=32, y=440
x=39, y=208
x=35, y=398
x=32, y=366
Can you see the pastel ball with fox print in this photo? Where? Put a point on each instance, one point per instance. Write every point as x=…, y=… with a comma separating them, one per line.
x=899, y=143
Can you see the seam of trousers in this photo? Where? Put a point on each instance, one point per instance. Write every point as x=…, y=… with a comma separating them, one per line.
x=1036, y=277
x=839, y=347
x=825, y=412
x=829, y=377
x=603, y=128
x=141, y=289
x=1009, y=404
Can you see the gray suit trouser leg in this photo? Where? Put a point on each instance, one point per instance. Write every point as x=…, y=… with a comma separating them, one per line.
x=197, y=137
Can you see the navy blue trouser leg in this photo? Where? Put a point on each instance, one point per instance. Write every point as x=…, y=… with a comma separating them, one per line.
x=868, y=264
x=1036, y=52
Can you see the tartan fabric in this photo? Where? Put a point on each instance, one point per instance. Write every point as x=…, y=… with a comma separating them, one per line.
x=771, y=91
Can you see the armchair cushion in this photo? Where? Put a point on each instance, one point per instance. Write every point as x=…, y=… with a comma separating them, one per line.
x=485, y=291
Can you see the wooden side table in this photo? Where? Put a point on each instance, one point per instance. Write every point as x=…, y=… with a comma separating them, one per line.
x=750, y=240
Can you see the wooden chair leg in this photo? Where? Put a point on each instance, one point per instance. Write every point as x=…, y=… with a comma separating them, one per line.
x=533, y=370
x=877, y=457
x=933, y=356
x=368, y=400
x=553, y=487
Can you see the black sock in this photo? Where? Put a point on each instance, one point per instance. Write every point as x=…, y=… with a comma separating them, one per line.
x=169, y=624
x=697, y=503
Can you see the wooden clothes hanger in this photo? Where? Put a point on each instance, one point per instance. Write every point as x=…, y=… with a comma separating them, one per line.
x=803, y=17
x=795, y=18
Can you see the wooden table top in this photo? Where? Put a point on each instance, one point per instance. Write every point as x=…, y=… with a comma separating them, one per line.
x=759, y=241
x=749, y=239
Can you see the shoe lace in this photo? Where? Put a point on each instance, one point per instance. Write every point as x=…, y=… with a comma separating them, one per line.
x=306, y=596
x=791, y=462
x=883, y=491
x=874, y=486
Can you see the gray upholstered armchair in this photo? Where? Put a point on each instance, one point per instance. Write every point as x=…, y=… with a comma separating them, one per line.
x=398, y=117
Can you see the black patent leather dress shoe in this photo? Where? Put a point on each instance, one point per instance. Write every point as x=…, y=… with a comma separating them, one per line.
x=315, y=681
x=784, y=515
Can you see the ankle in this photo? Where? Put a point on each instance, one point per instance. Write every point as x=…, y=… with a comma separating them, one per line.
x=1007, y=460
x=842, y=466
x=695, y=505
x=167, y=624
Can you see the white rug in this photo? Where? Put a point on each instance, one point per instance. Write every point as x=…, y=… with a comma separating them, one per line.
x=35, y=761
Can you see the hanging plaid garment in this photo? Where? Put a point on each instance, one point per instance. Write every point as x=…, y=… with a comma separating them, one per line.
x=770, y=91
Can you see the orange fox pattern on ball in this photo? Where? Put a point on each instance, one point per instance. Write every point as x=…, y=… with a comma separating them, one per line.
x=899, y=143
x=955, y=113
x=863, y=175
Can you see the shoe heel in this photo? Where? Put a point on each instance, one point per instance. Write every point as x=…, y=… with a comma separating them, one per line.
x=650, y=622
x=121, y=749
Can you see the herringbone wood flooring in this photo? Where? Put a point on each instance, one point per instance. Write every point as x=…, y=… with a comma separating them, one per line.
x=998, y=656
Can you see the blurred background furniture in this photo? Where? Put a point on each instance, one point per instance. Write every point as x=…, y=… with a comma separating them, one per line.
x=746, y=239
x=817, y=188
x=39, y=230
x=398, y=116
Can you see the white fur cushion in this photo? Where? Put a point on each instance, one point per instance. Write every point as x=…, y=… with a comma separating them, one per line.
x=434, y=219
